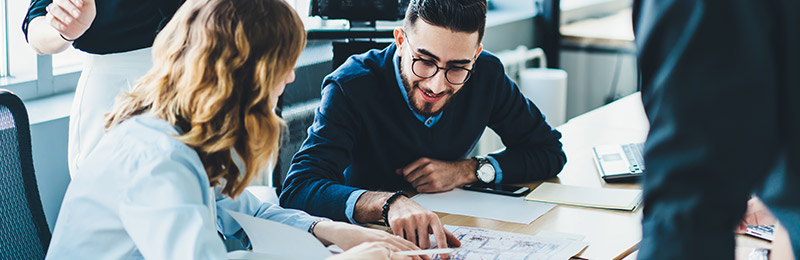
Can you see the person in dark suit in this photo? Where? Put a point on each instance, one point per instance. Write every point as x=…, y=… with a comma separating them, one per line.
x=720, y=83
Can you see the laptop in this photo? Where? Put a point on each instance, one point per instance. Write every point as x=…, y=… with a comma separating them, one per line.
x=619, y=162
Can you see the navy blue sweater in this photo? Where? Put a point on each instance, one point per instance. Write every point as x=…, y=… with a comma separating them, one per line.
x=364, y=130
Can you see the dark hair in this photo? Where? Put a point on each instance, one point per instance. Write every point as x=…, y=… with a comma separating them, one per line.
x=457, y=15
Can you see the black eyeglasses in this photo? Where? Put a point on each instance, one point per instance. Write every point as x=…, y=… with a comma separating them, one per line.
x=426, y=69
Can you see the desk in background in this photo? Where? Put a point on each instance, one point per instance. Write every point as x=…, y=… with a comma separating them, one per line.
x=599, y=55
x=613, y=33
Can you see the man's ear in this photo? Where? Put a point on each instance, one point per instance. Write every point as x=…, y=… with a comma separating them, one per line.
x=399, y=39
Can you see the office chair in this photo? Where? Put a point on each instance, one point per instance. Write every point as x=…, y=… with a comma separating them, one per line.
x=24, y=233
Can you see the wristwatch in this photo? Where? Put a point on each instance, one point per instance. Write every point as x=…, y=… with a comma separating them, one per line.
x=485, y=172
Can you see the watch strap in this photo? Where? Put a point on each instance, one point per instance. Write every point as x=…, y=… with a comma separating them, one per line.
x=385, y=211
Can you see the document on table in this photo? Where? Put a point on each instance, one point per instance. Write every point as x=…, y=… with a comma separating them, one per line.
x=604, y=198
x=484, y=205
x=250, y=255
x=270, y=238
x=485, y=244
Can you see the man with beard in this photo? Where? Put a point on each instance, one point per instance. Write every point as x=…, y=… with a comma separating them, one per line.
x=407, y=117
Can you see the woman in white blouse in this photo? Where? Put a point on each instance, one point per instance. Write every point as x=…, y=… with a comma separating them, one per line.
x=159, y=182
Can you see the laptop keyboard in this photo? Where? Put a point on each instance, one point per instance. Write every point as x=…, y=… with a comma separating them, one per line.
x=635, y=159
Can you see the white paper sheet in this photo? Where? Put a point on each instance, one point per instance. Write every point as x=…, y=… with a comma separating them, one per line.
x=264, y=193
x=250, y=255
x=484, y=205
x=604, y=198
x=485, y=244
x=276, y=239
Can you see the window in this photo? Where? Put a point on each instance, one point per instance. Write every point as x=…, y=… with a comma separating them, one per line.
x=20, y=57
x=4, y=70
x=303, y=7
x=67, y=61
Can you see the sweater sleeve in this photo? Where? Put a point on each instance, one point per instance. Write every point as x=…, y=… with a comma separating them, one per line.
x=533, y=149
x=315, y=182
x=36, y=9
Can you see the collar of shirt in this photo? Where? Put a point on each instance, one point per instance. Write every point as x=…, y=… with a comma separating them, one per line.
x=428, y=122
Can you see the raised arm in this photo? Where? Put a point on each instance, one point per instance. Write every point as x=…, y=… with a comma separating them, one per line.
x=50, y=27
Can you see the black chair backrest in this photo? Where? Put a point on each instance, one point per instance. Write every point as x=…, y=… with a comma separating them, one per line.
x=24, y=233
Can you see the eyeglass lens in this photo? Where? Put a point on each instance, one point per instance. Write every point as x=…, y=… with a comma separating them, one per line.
x=426, y=69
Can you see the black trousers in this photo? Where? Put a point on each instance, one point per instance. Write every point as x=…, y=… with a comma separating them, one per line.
x=721, y=88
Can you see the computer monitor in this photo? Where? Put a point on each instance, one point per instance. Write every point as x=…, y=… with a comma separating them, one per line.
x=360, y=10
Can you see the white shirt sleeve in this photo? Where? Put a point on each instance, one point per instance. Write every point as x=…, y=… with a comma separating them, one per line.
x=167, y=212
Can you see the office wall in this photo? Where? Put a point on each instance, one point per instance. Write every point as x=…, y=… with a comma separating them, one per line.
x=592, y=82
x=49, y=144
x=509, y=35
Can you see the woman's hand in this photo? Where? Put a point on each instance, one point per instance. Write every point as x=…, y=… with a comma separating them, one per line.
x=757, y=215
x=347, y=236
x=71, y=18
x=370, y=251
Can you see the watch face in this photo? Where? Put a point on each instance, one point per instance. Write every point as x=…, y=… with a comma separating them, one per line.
x=486, y=173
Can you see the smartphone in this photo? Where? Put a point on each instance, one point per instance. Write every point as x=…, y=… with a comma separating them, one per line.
x=503, y=189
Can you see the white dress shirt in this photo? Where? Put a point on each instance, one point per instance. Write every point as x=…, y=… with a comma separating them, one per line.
x=143, y=194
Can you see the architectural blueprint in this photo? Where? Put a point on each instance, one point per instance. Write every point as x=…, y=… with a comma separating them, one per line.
x=485, y=244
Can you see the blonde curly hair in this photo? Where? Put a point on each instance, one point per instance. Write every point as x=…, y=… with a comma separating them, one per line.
x=216, y=69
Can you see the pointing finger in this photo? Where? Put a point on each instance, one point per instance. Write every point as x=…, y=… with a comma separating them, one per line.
x=439, y=234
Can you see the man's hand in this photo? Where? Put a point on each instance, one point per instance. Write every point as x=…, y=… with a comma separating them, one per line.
x=415, y=223
x=407, y=219
x=429, y=175
x=347, y=236
x=757, y=215
x=71, y=18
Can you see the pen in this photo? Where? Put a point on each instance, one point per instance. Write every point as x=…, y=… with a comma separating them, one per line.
x=427, y=251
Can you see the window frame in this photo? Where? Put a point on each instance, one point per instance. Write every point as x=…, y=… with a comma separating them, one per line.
x=44, y=83
x=4, y=66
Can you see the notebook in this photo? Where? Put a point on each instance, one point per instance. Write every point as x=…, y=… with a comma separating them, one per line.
x=604, y=198
x=619, y=162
